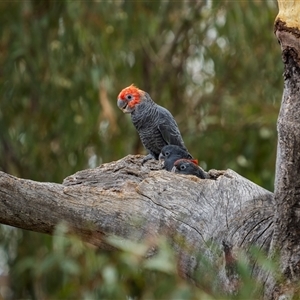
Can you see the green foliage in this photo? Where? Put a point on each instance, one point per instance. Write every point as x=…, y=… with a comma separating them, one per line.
x=215, y=65
x=82, y=272
x=63, y=64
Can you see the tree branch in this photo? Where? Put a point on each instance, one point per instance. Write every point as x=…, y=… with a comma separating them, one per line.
x=129, y=200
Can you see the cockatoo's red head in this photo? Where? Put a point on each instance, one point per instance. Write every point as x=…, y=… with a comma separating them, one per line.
x=129, y=98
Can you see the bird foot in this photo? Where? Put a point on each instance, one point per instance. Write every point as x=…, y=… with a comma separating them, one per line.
x=147, y=157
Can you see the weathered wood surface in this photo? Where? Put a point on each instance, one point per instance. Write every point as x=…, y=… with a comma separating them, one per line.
x=289, y=12
x=287, y=180
x=129, y=200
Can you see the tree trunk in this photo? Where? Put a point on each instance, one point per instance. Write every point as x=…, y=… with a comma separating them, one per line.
x=287, y=181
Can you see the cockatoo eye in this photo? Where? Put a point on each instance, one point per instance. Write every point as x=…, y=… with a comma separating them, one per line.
x=129, y=97
x=182, y=167
x=167, y=153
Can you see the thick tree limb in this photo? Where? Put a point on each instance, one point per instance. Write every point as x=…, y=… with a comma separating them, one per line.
x=129, y=200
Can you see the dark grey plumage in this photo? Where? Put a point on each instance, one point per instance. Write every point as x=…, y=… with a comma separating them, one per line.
x=187, y=167
x=155, y=125
x=171, y=153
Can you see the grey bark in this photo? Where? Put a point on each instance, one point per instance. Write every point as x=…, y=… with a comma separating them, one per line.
x=287, y=180
x=131, y=200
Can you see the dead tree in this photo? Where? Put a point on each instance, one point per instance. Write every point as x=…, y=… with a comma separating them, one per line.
x=127, y=199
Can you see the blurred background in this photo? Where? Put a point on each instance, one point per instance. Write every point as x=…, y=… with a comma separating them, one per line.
x=216, y=65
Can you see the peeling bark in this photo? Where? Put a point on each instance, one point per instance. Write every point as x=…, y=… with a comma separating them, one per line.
x=289, y=12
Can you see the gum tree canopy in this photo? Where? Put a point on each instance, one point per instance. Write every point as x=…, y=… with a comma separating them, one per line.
x=131, y=200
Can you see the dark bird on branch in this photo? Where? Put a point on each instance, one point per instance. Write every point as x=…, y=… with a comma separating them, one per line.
x=155, y=125
x=170, y=153
x=188, y=167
